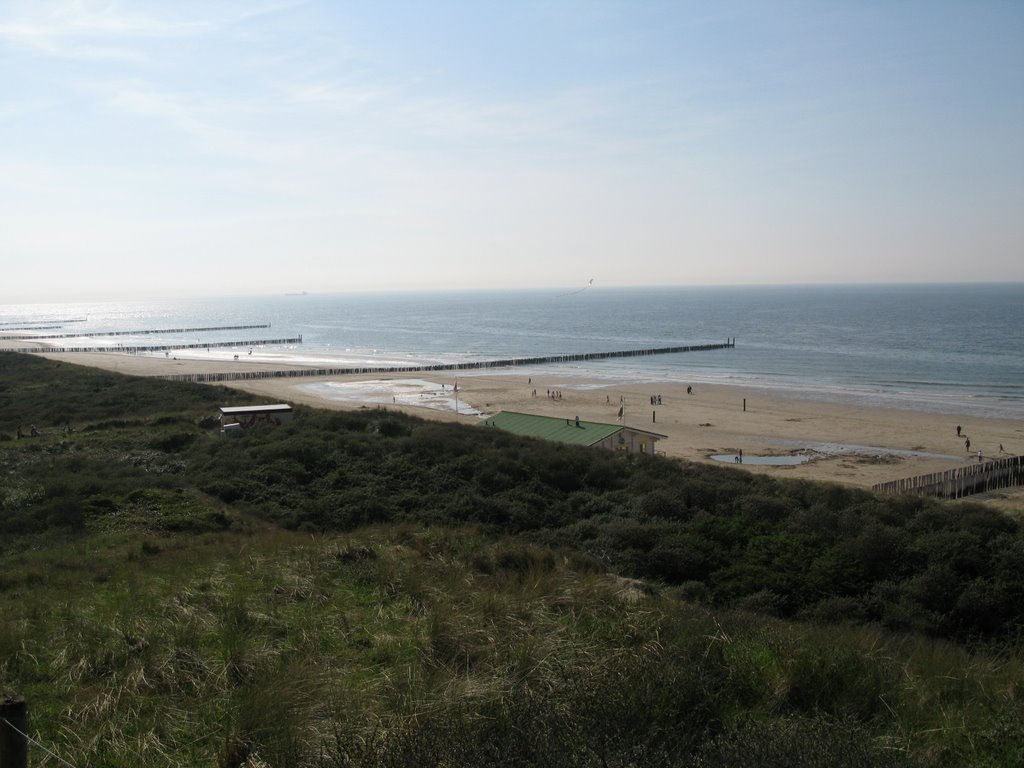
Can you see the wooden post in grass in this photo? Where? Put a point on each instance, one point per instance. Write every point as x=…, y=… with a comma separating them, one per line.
x=13, y=724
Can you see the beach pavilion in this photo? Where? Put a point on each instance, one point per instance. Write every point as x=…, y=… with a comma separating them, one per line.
x=615, y=437
x=235, y=419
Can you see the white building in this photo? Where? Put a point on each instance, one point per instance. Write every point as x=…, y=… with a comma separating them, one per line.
x=234, y=420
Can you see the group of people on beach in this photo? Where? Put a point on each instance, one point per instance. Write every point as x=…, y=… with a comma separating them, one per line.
x=655, y=399
x=553, y=394
x=967, y=443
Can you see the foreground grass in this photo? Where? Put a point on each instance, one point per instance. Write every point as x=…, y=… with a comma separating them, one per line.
x=368, y=590
x=412, y=646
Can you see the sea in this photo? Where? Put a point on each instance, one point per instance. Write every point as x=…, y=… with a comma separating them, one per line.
x=944, y=348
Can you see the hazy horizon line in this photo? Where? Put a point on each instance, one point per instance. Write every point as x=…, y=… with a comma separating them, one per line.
x=576, y=290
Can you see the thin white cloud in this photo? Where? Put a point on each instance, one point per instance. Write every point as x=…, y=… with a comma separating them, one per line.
x=211, y=121
x=78, y=29
x=338, y=96
x=15, y=111
x=56, y=43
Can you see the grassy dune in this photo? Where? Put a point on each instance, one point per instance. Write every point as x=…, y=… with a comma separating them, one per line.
x=410, y=646
x=365, y=590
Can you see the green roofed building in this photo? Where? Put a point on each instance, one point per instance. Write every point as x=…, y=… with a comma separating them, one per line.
x=615, y=437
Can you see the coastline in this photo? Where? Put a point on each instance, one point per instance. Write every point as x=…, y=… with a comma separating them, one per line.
x=847, y=443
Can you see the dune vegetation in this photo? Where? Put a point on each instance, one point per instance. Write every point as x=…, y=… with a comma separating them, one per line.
x=368, y=589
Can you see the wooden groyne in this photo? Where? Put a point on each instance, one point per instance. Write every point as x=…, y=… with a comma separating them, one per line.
x=135, y=349
x=27, y=337
x=25, y=324
x=211, y=378
x=962, y=481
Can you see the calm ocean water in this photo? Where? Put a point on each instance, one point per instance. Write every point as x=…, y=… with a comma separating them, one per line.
x=941, y=348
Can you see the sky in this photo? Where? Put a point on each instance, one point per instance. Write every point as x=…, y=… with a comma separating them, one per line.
x=156, y=149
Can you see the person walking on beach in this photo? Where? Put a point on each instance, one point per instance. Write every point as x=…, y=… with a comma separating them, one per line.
x=967, y=444
x=958, y=430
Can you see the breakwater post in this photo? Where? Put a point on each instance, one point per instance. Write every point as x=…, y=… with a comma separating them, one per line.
x=13, y=727
x=213, y=378
x=33, y=337
x=962, y=481
x=51, y=321
x=135, y=349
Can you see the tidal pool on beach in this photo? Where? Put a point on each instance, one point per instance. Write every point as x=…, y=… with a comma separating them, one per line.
x=410, y=392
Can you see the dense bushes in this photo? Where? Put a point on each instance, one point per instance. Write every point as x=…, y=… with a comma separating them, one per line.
x=789, y=548
x=818, y=551
x=53, y=395
x=428, y=642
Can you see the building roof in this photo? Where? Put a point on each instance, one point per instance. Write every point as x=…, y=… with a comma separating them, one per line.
x=559, y=430
x=255, y=409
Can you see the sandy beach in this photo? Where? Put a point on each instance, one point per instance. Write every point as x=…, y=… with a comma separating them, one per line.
x=844, y=443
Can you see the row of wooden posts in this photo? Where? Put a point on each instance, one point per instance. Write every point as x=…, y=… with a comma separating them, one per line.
x=159, y=347
x=210, y=378
x=962, y=481
x=28, y=336
x=18, y=325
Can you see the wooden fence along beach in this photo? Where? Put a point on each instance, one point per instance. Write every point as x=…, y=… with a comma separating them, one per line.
x=962, y=481
x=208, y=378
x=150, y=332
x=138, y=348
